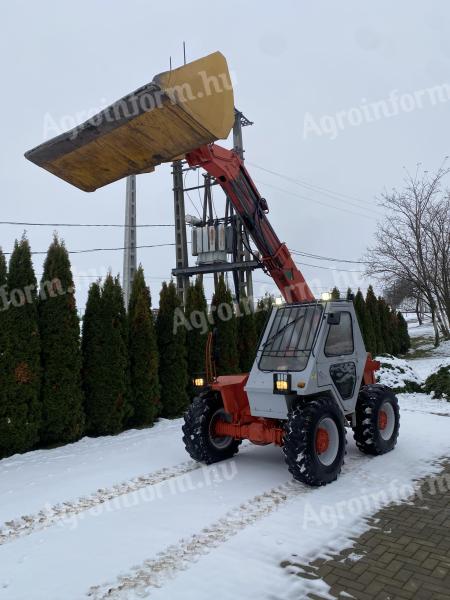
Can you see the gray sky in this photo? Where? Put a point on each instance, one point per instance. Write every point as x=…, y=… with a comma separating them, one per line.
x=294, y=62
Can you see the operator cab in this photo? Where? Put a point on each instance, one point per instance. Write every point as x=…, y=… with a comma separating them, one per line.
x=307, y=349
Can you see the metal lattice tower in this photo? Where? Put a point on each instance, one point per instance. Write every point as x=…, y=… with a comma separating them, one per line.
x=129, y=253
x=242, y=262
x=245, y=279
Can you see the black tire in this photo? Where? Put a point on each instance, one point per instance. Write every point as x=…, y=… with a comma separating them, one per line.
x=376, y=433
x=199, y=443
x=306, y=458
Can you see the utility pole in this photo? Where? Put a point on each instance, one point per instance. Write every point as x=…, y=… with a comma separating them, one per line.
x=181, y=253
x=129, y=253
x=245, y=279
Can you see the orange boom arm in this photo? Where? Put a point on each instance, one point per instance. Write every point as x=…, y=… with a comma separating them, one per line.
x=229, y=171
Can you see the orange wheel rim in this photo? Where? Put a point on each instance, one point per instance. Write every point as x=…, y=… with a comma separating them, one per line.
x=322, y=440
x=382, y=420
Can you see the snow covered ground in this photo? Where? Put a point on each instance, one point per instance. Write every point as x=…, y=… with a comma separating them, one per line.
x=131, y=516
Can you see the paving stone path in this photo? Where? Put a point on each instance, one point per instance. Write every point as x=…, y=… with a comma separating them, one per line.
x=404, y=555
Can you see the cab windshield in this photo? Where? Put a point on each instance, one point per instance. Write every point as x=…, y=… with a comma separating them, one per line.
x=291, y=337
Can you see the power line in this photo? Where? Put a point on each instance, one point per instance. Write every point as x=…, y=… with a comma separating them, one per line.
x=188, y=195
x=100, y=249
x=328, y=258
x=317, y=188
x=27, y=224
x=315, y=201
x=75, y=276
x=328, y=268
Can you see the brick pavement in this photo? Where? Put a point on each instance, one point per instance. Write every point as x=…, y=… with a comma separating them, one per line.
x=404, y=555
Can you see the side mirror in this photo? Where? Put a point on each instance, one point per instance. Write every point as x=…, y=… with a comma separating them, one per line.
x=334, y=318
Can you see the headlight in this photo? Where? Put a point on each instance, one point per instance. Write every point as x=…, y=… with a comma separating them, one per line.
x=199, y=382
x=281, y=383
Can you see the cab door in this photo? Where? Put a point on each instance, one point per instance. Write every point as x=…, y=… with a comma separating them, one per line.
x=338, y=361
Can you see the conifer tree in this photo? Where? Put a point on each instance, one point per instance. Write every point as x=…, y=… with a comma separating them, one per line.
x=365, y=323
x=263, y=308
x=335, y=294
x=224, y=316
x=3, y=354
x=395, y=336
x=247, y=339
x=403, y=335
x=142, y=354
x=196, y=336
x=360, y=306
x=91, y=344
x=105, y=359
x=385, y=323
x=173, y=375
x=372, y=309
x=61, y=394
x=3, y=282
x=21, y=410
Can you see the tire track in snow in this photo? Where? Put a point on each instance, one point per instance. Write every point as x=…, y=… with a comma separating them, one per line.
x=425, y=412
x=177, y=557
x=51, y=515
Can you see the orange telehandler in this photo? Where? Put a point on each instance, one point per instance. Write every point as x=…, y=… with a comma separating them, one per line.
x=312, y=376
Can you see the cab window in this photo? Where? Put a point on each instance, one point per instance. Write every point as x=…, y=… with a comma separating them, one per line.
x=340, y=337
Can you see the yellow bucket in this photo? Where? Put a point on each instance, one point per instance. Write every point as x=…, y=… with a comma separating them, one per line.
x=179, y=111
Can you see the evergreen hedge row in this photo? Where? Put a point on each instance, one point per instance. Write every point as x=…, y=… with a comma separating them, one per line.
x=127, y=367
x=384, y=331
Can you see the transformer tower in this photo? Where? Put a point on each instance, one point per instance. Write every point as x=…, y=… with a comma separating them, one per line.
x=211, y=259
x=129, y=253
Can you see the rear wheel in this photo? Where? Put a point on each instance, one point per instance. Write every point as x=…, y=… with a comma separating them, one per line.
x=199, y=439
x=377, y=420
x=314, y=443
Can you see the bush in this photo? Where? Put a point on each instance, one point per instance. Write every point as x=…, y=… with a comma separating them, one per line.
x=142, y=355
x=247, y=339
x=105, y=359
x=173, y=374
x=61, y=395
x=20, y=409
x=398, y=375
x=439, y=383
x=196, y=337
x=263, y=308
x=226, y=328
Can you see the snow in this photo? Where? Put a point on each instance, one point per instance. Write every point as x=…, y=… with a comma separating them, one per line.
x=396, y=372
x=131, y=516
x=183, y=533
x=423, y=367
x=416, y=330
x=423, y=403
x=77, y=469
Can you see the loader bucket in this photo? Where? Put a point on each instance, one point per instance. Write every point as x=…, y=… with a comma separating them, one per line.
x=177, y=112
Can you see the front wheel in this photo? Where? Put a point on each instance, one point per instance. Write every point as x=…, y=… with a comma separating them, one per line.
x=199, y=439
x=314, y=442
x=377, y=420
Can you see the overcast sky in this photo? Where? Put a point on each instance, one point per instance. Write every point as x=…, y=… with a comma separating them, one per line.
x=304, y=72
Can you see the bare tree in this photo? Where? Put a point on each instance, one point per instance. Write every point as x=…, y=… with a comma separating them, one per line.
x=413, y=244
x=402, y=293
x=438, y=231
